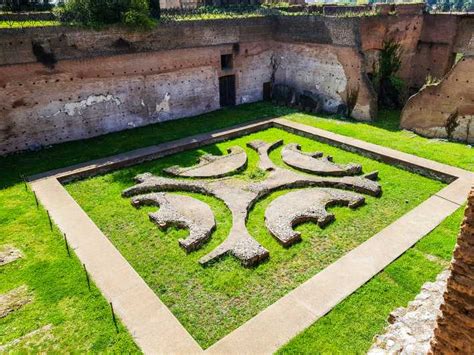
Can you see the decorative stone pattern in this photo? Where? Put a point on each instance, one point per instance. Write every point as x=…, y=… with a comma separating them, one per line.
x=316, y=163
x=181, y=211
x=411, y=328
x=13, y=300
x=454, y=333
x=9, y=254
x=239, y=196
x=302, y=206
x=213, y=165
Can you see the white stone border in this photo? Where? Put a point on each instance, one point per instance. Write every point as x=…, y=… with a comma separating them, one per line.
x=154, y=327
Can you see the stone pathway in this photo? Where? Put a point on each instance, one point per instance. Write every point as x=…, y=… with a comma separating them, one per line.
x=411, y=328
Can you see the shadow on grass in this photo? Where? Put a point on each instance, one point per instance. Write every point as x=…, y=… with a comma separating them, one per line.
x=184, y=159
x=70, y=153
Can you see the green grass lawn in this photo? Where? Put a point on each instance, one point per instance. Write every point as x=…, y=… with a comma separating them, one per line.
x=26, y=24
x=81, y=320
x=211, y=302
x=350, y=327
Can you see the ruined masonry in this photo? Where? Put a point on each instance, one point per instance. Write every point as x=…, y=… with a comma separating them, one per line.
x=114, y=80
x=454, y=333
x=239, y=196
x=411, y=328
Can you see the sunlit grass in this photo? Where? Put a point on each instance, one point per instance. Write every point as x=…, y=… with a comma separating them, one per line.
x=27, y=24
x=210, y=302
x=81, y=320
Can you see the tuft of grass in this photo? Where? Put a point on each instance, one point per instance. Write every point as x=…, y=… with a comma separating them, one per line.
x=212, y=301
x=27, y=24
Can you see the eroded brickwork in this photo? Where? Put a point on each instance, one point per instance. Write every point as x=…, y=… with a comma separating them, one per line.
x=106, y=81
x=455, y=329
x=446, y=109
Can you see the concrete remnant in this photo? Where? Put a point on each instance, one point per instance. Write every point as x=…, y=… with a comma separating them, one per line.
x=14, y=300
x=9, y=254
x=297, y=207
x=214, y=165
x=181, y=211
x=316, y=163
x=239, y=196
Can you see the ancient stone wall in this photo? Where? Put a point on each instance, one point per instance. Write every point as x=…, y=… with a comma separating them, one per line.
x=59, y=84
x=333, y=72
x=464, y=42
x=455, y=329
x=403, y=29
x=67, y=43
x=89, y=97
x=446, y=109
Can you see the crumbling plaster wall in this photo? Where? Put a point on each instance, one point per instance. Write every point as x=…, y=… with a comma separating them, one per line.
x=110, y=81
x=86, y=98
x=333, y=72
x=80, y=99
x=252, y=69
x=446, y=109
x=323, y=55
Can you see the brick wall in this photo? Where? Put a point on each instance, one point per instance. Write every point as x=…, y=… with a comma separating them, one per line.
x=455, y=329
x=115, y=79
x=446, y=109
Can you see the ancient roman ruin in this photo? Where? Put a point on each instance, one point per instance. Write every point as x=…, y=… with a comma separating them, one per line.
x=240, y=196
x=79, y=83
x=67, y=83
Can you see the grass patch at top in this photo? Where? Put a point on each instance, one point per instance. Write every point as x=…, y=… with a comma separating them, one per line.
x=212, y=301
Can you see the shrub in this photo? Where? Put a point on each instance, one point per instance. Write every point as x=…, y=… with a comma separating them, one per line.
x=97, y=13
x=388, y=85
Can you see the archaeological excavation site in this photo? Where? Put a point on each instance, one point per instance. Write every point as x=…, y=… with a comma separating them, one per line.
x=236, y=177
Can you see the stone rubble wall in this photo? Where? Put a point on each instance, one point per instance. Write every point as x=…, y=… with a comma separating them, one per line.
x=446, y=109
x=455, y=327
x=411, y=328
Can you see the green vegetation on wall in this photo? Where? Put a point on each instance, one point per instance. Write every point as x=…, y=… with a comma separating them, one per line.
x=387, y=83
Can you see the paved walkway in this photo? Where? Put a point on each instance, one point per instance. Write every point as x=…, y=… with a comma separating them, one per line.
x=154, y=327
